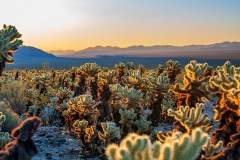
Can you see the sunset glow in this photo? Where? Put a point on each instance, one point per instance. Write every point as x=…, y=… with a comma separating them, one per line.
x=78, y=24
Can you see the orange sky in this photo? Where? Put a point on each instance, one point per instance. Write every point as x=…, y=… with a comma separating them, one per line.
x=78, y=24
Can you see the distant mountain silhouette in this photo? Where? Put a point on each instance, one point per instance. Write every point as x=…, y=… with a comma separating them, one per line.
x=218, y=50
x=29, y=53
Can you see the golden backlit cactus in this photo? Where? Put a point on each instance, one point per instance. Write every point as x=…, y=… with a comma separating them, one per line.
x=91, y=69
x=110, y=76
x=160, y=83
x=83, y=104
x=90, y=132
x=110, y=131
x=227, y=77
x=131, y=98
x=133, y=79
x=193, y=88
x=80, y=126
x=176, y=147
x=172, y=70
x=193, y=118
x=121, y=71
x=210, y=149
x=63, y=94
x=9, y=43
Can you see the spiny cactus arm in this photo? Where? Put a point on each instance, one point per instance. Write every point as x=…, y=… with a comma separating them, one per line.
x=193, y=119
x=228, y=68
x=80, y=126
x=90, y=132
x=210, y=149
x=110, y=131
x=189, y=147
x=111, y=152
x=161, y=137
x=176, y=147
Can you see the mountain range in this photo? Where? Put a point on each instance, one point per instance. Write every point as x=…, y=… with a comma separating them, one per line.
x=215, y=54
x=218, y=50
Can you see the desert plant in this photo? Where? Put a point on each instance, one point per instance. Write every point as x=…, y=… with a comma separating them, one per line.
x=9, y=43
x=193, y=118
x=14, y=96
x=177, y=147
x=12, y=119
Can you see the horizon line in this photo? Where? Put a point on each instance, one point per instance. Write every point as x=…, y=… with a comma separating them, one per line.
x=138, y=46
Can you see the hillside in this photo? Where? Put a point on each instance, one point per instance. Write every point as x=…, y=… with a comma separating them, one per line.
x=213, y=51
x=29, y=53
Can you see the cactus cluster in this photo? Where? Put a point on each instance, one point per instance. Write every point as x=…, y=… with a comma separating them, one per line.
x=102, y=106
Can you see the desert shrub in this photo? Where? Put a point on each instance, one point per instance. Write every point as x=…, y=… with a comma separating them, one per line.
x=14, y=96
x=12, y=119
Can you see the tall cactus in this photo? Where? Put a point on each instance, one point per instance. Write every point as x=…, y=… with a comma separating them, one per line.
x=9, y=43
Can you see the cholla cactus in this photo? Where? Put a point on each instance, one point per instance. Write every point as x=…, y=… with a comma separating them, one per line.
x=33, y=110
x=193, y=80
x=83, y=104
x=90, y=131
x=133, y=79
x=9, y=43
x=110, y=131
x=160, y=69
x=115, y=101
x=176, y=147
x=158, y=86
x=131, y=65
x=210, y=149
x=121, y=70
x=79, y=108
x=141, y=69
x=127, y=119
x=91, y=69
x=131, y=98
x=227, y=77
x=160, y=83
x=80, y=127
x=63, y=94
x=172, y=70
x=4, y=139
x=167, y=104
x=192, y=119
x=110, y=76
x=144, y=126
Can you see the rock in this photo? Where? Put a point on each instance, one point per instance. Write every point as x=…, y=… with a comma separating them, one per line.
x=53, y=144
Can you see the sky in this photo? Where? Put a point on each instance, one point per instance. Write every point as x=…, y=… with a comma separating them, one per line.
x=78, y=24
